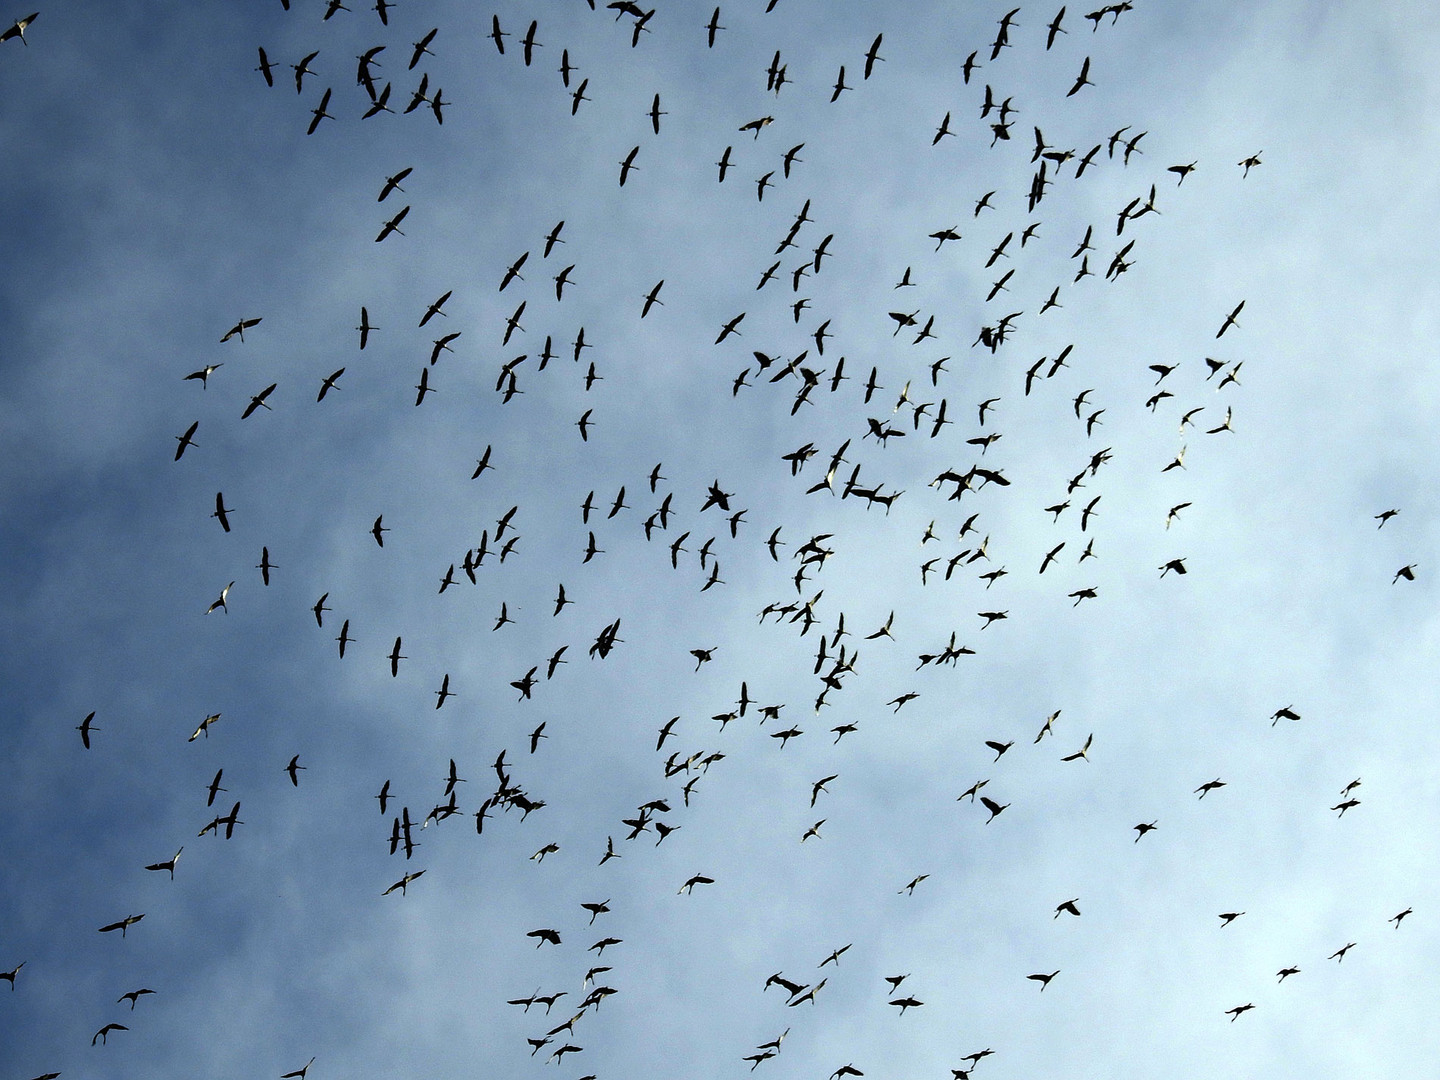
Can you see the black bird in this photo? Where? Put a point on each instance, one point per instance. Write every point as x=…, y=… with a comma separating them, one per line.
x=265, y=565
x=319, y=112
x=422, y=48
x=326, y=386
x=186, y=440
x=873, y=55
x=123, y=925
x=393, y=225
x=627, y=165
x=84, y=727
x=713, y=26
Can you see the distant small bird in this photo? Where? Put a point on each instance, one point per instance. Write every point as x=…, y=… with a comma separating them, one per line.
x=104, y=1031
x=403, y=883
x=221, y=600
x=21, y=25
x=1209, y=786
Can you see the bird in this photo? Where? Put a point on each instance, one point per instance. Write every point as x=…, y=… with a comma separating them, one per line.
x=319, y=113
x=85, y=727
x=994, y=808
x=1043, y=980
x=1143, y=828
x=712, y=27
x=1226, y=918
x=203, y=375
x=627, y=165
x=104, y=1031
x=873, y=54
x=204, y=726
x=1234, y=1013
x=123, y=925
x=300, y=1073
x=1068, y=906
x=265, y=565
x=1083, y=752
x=133, y=996
x=393, y=225
x=188, y=439
x=19, y=27
x=1230, y=320
x=9, y=976
x=169, y=864
x=220, y=601
x=378, y=531
x=403, y=884
x=294, y=769
x=1407, y=572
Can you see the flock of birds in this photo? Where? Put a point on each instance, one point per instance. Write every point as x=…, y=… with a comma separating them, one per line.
x=698, y=530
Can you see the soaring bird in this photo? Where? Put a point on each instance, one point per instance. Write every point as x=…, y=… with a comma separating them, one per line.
x=1043, y=980
x=403, y=883
x=133, y=996
x=21, y=25
x=169, y=864
x=220, y=601
x=392, y=226
x=872, y=55
x=319, y=113
x=627, y=165
x=123, y=925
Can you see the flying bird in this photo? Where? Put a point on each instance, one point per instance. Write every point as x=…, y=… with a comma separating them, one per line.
x=85, y=728
x=873, y=54
x=21, y=25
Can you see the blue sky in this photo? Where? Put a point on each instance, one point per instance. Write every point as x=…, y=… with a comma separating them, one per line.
x=159, y=192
